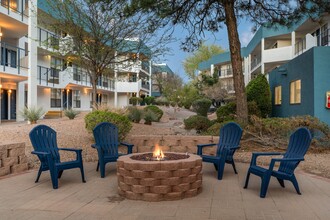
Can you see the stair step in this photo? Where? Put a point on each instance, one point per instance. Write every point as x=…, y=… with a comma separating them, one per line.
x=53, y=114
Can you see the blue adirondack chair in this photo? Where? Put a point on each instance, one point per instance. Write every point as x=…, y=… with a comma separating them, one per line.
x=229, y=139
x=298, y=145
x=106, y=143
x=43, y=139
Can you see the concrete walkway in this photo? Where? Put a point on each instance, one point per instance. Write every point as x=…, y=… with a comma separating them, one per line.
x=21, y=198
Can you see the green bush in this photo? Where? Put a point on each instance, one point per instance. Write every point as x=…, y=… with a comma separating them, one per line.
x=226, y=112
x=32, y=114
x=71, y=113
x=197, y=122
x=173, y=104
x=121, y=121
x=159, y=113
x=187, y=104
x=150, y=100
x=201, y=106
x=135, y=114
x=135, y=100
x=149, y=117
x=258, y=90
x=253, y=108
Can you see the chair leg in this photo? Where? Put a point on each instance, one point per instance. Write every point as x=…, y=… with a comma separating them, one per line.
x=54, y=176
x=38, y=176
x=60, y=174
x=215, y=166
x=295, y=184
x=82, y=173
x=264, y=185
x=97, y=166
x=102, y=170
x=221, y=167
x=247, y=180
x=281, y=182
x=234, y=167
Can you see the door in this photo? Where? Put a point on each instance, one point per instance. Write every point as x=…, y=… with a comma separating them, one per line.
x=67, y=99
x=4, y=104
x=13, y=104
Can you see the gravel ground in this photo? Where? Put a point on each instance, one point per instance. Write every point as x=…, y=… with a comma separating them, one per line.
x=72, y=133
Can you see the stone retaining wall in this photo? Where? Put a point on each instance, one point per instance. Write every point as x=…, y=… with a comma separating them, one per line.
x=171, y=143
x=12, y=158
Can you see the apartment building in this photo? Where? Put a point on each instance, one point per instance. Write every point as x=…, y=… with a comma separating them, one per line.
x=30, y=74
x=294, y=59
x=161, y=70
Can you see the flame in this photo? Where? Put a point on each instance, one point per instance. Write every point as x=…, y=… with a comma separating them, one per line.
x=158, y=153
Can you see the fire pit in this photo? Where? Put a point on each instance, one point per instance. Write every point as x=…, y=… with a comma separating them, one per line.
x=159, y=176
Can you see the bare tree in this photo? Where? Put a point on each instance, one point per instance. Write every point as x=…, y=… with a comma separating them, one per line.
x=216, y=93
x=98, y=35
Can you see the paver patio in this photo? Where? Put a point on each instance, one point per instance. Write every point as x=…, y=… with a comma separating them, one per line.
x=21, y=198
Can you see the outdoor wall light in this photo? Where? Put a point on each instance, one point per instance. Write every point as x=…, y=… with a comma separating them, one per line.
x=9, y=91
x=0, y=34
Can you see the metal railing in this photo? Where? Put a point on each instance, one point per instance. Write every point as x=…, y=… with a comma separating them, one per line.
x=145, y=85
x=300, y=47
x=145, y=66
x=48, y=76
x=255, y=62
x=17, y=6
x=225, y=72
x=325, y=38
x=48, y=39
x=80, y=76
x=12, y=56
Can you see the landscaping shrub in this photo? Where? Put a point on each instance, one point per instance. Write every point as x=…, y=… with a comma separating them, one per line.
x=173, y=104
x=258, y=90
x=197, y=122
x=135, y=114
x=135, y=100
x=32, y=114
x=201, y=106
x=226, y=112
x=121, y=121
x=149, y=100
x=159, y=113
x=149, y=117
x=253, y=108
x=71, y=113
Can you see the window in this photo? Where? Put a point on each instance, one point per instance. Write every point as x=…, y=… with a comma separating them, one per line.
x=278, y=95
x=295, y=92
x=76, y=99
x=55, y=98
x=104, y=99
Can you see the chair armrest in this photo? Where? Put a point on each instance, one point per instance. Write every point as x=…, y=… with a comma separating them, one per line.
x=40, y=153
x=257, y=154
x=234, y=148
x=129, y=147
x=70, y=149
x=201, y=146
x=274, y=160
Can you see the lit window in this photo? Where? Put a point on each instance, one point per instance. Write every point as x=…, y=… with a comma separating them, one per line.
x=76, y=99
x=295, y=92
x=278, y=95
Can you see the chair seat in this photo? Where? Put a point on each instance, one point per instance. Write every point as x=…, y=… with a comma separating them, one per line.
x=68, y=164
x=210, y=159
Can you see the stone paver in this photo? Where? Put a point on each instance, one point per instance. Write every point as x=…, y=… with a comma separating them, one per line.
x=21, y=198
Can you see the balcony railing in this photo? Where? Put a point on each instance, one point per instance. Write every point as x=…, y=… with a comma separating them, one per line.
x=106, y=83
x=145, y=66
x=300, y=47
x=48, y=76
x=80, y=76
x=255, y=62
x=225, y=73
x=18, y=6
x=12, y=56
x=145, y=85
x=48, y=39
x=325, y=38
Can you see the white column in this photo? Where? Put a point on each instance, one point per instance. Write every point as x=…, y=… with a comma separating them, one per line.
x=9, y=104
x=20, y=100
x=293, y=43
x=32, y=41
x=212, y=69
x=116, y=80
x=150, y=75
x=262, y=56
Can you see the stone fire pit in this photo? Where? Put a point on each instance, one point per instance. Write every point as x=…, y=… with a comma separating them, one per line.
x=159, y=180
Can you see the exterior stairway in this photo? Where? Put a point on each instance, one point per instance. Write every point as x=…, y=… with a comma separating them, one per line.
x=53, y=114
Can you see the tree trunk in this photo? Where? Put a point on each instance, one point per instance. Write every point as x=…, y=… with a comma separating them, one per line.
x=94, y=89
x=236, y=61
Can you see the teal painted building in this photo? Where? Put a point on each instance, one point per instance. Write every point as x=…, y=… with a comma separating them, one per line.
x=312, y=69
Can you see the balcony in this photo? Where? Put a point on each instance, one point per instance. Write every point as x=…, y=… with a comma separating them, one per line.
x=48, y=76
x=145, y=85
x=145, y=66
x=48, y=40
x=277, y=54
x=13, y=59
x=16, y=8
x=225, y=73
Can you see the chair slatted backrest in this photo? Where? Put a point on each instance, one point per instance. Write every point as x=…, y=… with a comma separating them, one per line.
x=43, y=139
x=298, y=145
x=230, y=136
x=106, y=136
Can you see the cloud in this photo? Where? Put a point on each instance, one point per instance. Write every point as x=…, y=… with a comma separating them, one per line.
x=245, y=38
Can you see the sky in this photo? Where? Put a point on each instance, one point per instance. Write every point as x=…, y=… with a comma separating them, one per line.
x=176, y=57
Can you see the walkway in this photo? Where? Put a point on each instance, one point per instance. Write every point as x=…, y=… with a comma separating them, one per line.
x=21, y=198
